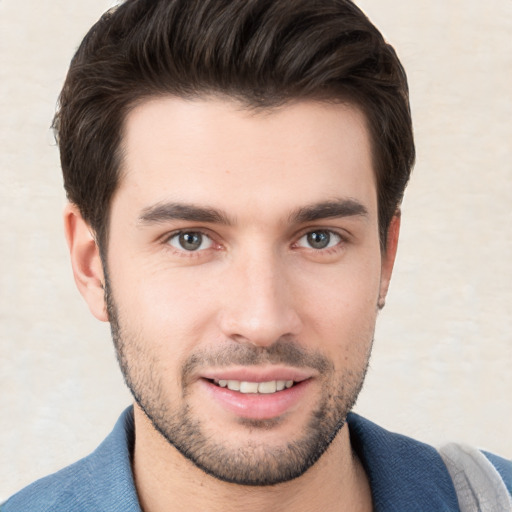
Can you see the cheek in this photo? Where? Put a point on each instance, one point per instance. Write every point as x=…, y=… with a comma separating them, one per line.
x=341, y=307
x=165, y=308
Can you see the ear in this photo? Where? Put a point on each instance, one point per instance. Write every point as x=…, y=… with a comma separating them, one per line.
x=85, y=261
x=388, y=257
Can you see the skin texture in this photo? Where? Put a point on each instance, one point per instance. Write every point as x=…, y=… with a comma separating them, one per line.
x=257, y=195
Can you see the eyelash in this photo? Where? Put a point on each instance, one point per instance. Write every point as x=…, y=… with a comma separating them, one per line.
x=342, y=240
x=320, y=233
x=182, y=252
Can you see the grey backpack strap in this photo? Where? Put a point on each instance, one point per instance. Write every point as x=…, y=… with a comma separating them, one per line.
x=478, y=484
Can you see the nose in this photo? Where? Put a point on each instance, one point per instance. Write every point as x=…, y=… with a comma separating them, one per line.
x=259, y=305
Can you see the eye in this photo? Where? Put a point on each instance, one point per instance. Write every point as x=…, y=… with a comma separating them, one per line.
x=319, y=239
x=190, y=241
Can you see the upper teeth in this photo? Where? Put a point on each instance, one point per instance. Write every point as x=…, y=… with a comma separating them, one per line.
x=255, y=387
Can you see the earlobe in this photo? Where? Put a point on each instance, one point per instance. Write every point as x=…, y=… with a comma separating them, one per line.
x=388, y=257
x=85, y=261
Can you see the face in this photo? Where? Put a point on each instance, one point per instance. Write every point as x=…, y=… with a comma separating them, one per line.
x=244, y=273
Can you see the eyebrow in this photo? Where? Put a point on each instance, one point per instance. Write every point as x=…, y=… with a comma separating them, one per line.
x=329, y=209
x=164, y=212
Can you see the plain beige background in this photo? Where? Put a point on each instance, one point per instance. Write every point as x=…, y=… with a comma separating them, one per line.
x=441, y=365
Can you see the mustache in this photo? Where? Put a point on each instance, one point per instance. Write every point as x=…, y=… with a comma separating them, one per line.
x=283, y=352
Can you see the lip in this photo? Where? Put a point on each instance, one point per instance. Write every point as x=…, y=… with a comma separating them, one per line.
x=258, y=374
x=256, y=406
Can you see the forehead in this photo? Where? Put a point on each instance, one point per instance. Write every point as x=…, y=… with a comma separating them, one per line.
x=219, y=153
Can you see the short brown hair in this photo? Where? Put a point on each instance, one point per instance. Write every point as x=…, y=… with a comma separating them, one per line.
x=262, y=52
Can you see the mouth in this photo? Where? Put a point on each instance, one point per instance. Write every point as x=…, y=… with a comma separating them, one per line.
x=260, y=398
x=264, y=388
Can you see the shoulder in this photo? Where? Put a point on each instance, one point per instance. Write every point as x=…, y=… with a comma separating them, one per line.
x=65, y=490
x=101, y=481
x=406, y=472
x=504, y=468
x=482, y=480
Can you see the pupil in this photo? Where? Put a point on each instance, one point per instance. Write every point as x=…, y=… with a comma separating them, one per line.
x=191, y=241
x=319, y=239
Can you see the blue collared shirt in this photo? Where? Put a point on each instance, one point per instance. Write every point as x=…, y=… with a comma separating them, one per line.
x=405, y=475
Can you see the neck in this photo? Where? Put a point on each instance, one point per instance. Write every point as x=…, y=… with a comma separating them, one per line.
x=166, y=480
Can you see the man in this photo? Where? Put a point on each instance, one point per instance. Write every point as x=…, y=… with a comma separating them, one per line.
x=234, y=172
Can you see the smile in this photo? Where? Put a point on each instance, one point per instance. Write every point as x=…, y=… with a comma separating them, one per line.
x=258, y=397
x=268, y=387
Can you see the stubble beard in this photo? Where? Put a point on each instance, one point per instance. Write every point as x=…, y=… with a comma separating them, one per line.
x=253, y=464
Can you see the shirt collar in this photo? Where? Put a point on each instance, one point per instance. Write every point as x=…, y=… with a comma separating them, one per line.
x=404, y=474
x=111, y=465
